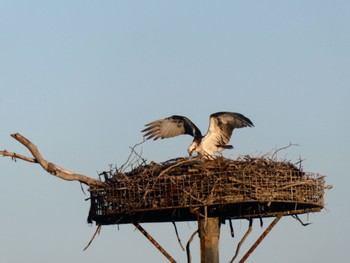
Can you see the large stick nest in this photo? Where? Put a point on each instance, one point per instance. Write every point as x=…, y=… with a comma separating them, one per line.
x=183, y=188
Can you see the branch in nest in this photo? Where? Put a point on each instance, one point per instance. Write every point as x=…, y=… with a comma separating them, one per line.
x=283, y=148
x=51, y=168
x=129, y=161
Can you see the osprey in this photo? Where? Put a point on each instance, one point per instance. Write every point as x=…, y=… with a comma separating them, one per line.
x=221, y=125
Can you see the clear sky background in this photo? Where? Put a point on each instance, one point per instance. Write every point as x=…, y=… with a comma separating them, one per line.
x=81, y=78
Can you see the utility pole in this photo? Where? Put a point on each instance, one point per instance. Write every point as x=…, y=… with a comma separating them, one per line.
x=209, y=234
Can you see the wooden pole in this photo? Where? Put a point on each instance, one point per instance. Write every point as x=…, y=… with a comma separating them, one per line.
x=209, y=233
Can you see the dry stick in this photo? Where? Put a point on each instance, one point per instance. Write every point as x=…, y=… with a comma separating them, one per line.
x=51, y=168
x=263, y=235
x=188, y=252
x=295, y=184
x=126, y=164
x=173, y=166
x=231, y=228
x=155, y=243
x=16, y=156
x=139, y=155
x=243, y=239
x=283, y=148
x=128, y=159
x=98, y=230
x=178, y=237
x=301, y=222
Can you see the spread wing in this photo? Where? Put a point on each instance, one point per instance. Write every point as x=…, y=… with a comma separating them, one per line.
x=171, y=127
x=222, y=124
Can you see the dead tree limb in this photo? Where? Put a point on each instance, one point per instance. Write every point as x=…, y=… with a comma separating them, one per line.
x=16, y=156
x=49, y=167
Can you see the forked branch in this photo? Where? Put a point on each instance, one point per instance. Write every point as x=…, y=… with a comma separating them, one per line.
x=51, y=168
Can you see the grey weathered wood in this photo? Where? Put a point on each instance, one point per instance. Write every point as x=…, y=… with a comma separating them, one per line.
x=51, y=168
x=209, y=234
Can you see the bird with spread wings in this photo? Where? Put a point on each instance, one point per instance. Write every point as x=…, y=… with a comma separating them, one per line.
x=221, y=125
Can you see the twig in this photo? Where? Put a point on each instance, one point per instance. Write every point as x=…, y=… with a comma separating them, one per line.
x=243, y=239
x=188, y=252
x=261, y=221
x=127, y=162
x=82, y=189
x=301, y=222
x=178, y=237
x=173, y=166
x=98, y=230
x=283, y=148
x=299, y=162
x=232, y=231
x=15, y=156
x=139, y=155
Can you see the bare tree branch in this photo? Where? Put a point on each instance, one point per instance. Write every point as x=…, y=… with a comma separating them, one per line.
x=16, y=156
x=51, y=168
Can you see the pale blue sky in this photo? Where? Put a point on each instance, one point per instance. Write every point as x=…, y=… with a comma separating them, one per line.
x=81, y=78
